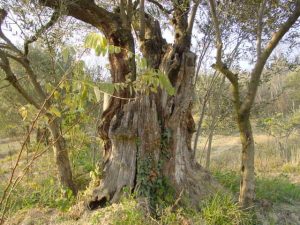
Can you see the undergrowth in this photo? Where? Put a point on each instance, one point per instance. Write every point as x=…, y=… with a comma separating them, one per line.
x=274, y=189
x=218, y=210
x=40, y=188
x=43, y=193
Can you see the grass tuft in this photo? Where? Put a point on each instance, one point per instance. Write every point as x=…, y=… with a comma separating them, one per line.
x=222, y=209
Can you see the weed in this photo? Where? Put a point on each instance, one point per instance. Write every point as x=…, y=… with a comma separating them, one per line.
x=221, y=210
x=228, y=179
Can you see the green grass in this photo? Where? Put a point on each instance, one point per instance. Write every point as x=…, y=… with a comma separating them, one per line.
x=45, y=193
x=275, y=189
x=222, y=209
x=218, y=210
x=44, y=190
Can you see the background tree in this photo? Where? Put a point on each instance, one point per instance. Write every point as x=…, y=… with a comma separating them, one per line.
x=243, y=104
x=40, y=100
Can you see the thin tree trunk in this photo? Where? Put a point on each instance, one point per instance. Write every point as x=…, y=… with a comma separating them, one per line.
x=204, y=106
x=199, y=126
x=208, y=152
x=216, y=112
x=61, y=156
x=247, y=192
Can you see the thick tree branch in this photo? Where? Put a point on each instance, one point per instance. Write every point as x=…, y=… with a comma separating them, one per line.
x=88, y=12
x=180, y=23
x=258, y=68
x=12, y=79
x=161, y=7
x=222, y=68
x=152, y=44
x=123, y=15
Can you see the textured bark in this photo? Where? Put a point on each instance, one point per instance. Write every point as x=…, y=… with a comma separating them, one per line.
x=61, y=157
x=153, y=130
x=136, y=136
x=247, y=185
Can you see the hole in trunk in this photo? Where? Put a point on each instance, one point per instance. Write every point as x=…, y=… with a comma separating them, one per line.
x=97, y=203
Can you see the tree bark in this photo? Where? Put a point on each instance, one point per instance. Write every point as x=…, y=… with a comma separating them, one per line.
x=151, y=140
x=148, y=139
x=61, y=156
x=208, y=152
x=247, y=192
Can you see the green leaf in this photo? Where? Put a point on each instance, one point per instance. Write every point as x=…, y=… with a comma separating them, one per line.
x=143, y=63
x=166, y=84
x=107, y=87
x=117, y=49
x=67, y=53
x=56, y=95
x=103, y=42
x=111, y=49
x=55, y=111
x=97, y=42
x=98, y=50
x=84, y=92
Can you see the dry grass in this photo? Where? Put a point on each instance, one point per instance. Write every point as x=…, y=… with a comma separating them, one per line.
x=270, y=158
x=8, y=147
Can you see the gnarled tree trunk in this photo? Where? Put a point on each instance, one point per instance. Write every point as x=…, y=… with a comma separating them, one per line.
x=147, y=140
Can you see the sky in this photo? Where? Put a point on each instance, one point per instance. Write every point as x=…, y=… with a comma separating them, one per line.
x=92, y=61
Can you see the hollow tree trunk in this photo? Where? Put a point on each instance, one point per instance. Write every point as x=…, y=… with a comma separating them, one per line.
x=61, y=156
x=247, y=184
x=149, y=140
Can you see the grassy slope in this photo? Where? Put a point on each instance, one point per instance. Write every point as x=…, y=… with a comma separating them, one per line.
x=38, y=198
